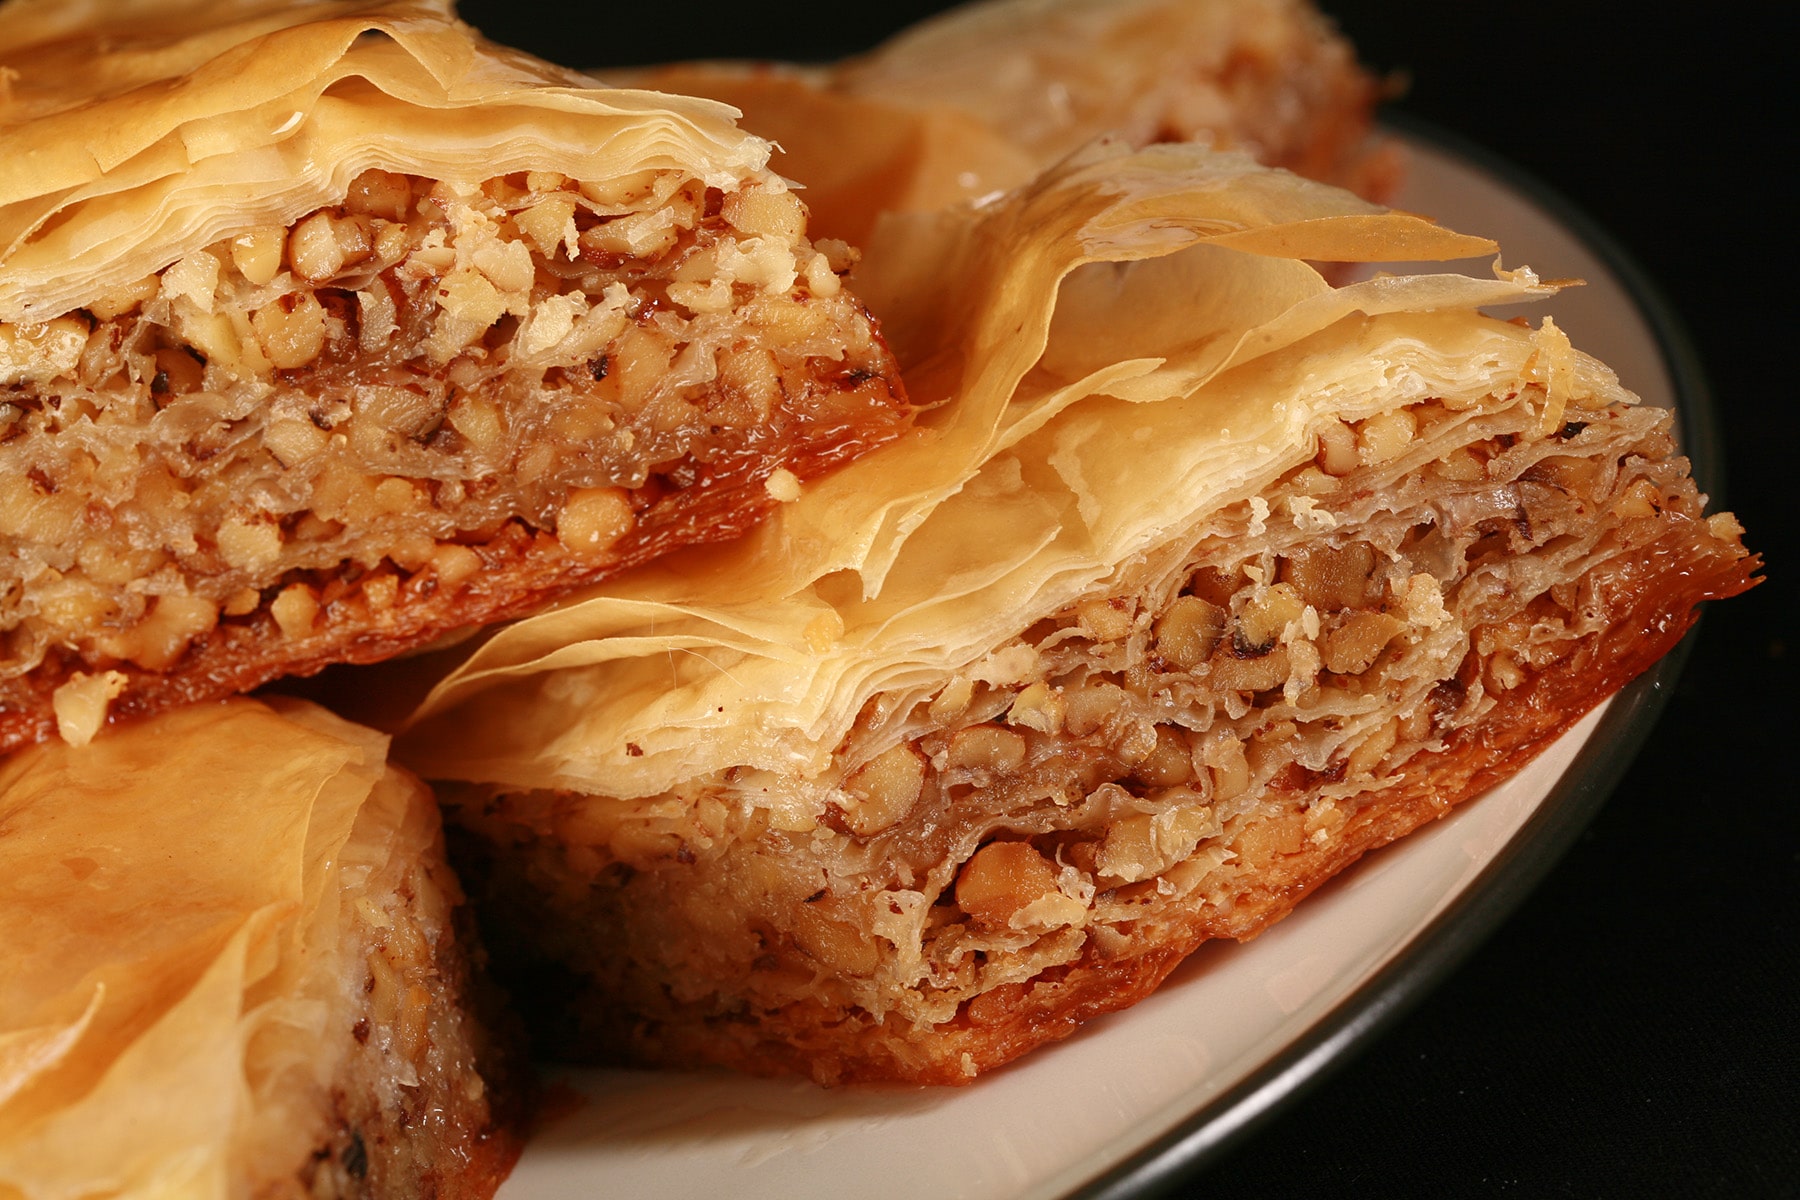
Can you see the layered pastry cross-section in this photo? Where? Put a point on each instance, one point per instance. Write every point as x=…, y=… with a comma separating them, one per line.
x=329, y=330
x=236, y=965
x=1208, y=578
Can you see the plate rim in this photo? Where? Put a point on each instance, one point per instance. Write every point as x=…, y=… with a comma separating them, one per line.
x=1356, y=1022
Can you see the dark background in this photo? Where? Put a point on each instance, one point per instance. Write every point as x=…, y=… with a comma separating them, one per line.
x=1633, y=1028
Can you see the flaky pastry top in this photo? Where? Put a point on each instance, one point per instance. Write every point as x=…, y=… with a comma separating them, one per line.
x=131, y=134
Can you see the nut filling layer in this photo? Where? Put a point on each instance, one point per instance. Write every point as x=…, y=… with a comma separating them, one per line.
x=1180, y=756
x=428, y=1096
x=431, y=406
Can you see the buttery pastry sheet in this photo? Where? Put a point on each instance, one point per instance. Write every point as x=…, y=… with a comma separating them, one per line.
x=108, y=174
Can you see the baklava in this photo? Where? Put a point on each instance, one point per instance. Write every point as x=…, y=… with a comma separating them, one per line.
x=237, y=965
x=1204, y=579
x=330, y=330
x=985, y=96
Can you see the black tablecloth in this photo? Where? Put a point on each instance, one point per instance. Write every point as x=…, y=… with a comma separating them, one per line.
x=1631, y=1029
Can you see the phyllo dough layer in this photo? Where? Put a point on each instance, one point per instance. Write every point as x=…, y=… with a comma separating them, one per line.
x=328, y=330
x=237, y=965
x=1208, y=578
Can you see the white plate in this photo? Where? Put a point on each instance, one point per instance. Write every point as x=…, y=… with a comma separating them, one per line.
x=1236, y=1029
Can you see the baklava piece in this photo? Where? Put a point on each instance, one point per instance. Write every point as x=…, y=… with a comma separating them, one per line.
x=417, y=357
x=1272, y=78
x=1214, y=578
x=983, y=97
x=1410, y=617
x=238, y=965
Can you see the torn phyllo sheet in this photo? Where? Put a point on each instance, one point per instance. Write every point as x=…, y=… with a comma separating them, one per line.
x=985, y=96
x=237, y=965
x=1207, y=579
x=327, y=330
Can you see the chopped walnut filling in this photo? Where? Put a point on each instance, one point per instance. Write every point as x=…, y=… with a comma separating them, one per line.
x=404, y=397
x=1180, y=751
x=426, y=1071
